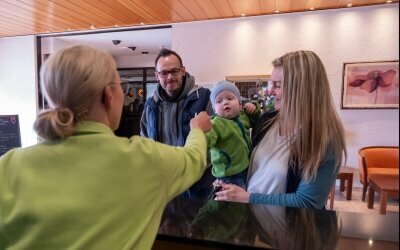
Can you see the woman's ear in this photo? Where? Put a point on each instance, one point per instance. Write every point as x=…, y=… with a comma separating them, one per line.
x=107, y=96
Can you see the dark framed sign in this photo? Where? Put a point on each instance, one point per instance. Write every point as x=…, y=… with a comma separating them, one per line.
x=370, y=85
x=10, y=136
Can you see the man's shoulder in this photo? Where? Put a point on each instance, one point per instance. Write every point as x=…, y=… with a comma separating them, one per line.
x=200, y=93
x=150, y=103
x=199, y=89
x=150, y=100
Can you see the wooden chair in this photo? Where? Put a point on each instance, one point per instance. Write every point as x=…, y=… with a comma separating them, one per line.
x=345, y=174
x=377, y=160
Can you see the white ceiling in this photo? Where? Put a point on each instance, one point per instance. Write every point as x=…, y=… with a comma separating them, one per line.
x=149, y=40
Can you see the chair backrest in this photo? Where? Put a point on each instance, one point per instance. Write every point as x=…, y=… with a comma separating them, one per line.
x=380, y=156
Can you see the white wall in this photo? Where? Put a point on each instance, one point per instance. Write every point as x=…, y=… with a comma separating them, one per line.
x=52, y=44
x=18, y=83
x=212, y=50
x=135, y=61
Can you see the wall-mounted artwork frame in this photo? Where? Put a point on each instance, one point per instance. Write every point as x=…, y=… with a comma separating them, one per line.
x=370, y=85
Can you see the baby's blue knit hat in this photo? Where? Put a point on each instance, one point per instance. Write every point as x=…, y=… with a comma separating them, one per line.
x=222, y=86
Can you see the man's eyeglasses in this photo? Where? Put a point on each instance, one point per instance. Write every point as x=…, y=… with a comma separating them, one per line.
x=165, y=73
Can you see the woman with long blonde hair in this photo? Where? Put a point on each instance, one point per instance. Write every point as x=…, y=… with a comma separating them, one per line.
x=299, y=146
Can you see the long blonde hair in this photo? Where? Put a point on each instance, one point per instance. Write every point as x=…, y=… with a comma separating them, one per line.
x=308, y=113
x=72, y=80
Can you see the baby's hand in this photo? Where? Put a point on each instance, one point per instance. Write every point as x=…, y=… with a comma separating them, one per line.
x=249, y=108
x=216, y=184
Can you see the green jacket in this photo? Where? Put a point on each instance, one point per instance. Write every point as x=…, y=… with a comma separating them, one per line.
x=230, y=144
x=93, y=190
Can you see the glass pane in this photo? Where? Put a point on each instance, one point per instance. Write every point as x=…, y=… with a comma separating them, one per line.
x=150, y=75
x=151, y=78
x=150, y=88
x=133, y=99
x=132, y=75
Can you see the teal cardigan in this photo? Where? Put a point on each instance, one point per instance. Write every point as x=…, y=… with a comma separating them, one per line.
x=299, y=193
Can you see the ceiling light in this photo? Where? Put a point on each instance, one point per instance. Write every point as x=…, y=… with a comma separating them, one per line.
x=276, y=8
x=349, y=5
x=312, y=8
x=389, y=1
x=116, y=25
x=116, y=42
x=243, y=14
x=370, y=242
x=92, y=27
x=141, y=23
x=145, y=52
x=133, y=48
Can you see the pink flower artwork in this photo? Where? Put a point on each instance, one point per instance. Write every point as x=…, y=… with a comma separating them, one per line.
x=374, y=79
x=371, y=85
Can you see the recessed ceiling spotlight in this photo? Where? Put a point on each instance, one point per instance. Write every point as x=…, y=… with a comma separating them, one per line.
x=349, y=5
x=276, y=11
x=69, y=29
x=92, y=27
x=116, y=25
x=141, y=23
x=116, y=42
x=389, y=1
x=243, y=14
x=312, y=8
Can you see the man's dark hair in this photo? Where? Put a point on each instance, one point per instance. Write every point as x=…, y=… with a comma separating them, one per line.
x=165, y=53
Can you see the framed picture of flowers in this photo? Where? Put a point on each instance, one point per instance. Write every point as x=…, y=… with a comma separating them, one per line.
x=369, y=85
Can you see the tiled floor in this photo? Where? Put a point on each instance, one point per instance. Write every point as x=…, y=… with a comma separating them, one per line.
x=358, y=206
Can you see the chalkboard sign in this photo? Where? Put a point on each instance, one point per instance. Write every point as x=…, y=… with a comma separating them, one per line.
x=10, y=136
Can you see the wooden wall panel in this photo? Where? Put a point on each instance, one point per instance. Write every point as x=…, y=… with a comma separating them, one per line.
x=251, y=7
x=194, y=8
x=267, y=6
x=298, y=5
x=143, y=11
x=283, y=5
x=177, y=7
x=29, y=16
x=237, y=7
x=92, y=18
x=223, y=7
x=43, y=15
x=22, y=17
x=160, y=9
x=209, y=8
x=316, y=4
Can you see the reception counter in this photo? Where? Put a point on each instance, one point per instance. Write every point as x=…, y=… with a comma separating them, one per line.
x=193, y=224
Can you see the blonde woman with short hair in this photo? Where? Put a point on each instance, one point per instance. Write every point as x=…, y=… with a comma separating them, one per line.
x=300, y=145
x=83, y=187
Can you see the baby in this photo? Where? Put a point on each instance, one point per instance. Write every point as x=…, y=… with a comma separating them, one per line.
x=229, y=138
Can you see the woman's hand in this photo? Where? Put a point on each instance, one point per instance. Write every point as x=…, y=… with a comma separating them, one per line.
x=201, y=121
x=249, y=108
x=231, y=192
